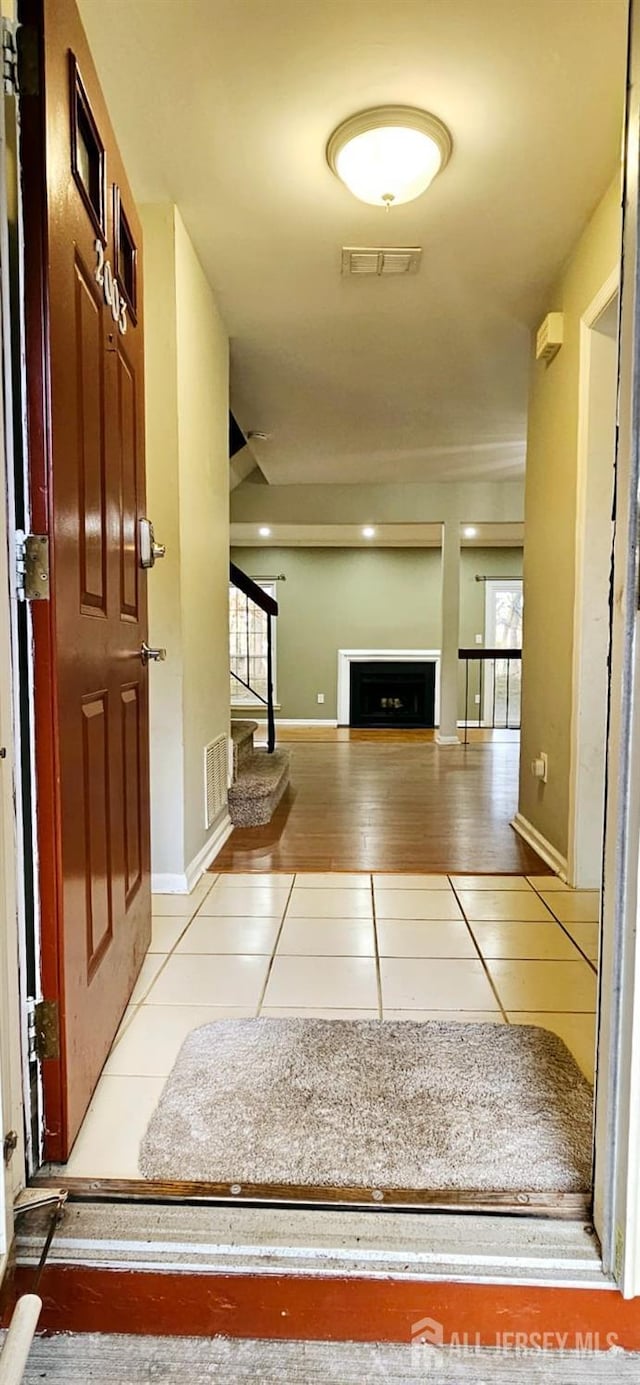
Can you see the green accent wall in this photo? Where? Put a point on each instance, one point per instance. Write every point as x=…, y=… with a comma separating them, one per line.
x=355, y=598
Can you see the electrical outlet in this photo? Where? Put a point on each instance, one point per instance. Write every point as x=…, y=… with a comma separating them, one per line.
x=540, y=767
x=477, y=699
x=479, y=639
x=321, y=698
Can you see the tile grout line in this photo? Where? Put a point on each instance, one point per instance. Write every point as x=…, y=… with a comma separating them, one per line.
x=475, y=944
x=272, y=959
x=167, y=955
x=376, y=946
x=593, y=965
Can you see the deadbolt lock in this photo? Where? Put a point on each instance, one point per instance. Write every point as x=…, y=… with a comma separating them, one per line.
x=150, y=551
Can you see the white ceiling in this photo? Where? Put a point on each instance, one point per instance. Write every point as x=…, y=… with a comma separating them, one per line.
x=225, y=106
x=386, y=536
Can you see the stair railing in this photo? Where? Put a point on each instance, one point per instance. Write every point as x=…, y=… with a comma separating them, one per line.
x=255, y=600
x=492, y=677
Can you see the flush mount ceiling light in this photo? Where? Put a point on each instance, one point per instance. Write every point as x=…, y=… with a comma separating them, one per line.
x=264, y=532
x=469, y=532
x=390, y=154
x=368, y=532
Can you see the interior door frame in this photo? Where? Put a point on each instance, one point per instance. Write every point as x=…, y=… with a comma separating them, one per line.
x=16, y=824
x=617, y=1105
x=616, y=1186
x=606, y=295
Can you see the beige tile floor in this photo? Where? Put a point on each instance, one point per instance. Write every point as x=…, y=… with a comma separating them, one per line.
x=509, y=950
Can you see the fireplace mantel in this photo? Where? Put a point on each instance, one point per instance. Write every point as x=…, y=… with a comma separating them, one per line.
x=346, y=657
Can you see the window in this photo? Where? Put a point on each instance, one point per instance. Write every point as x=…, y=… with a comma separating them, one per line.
x=248, y=648
x=503, y=630
x=126, y=255
x=88, y=157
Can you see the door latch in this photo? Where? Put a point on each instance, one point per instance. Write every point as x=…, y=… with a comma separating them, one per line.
x=150, y=551
x=147, y=654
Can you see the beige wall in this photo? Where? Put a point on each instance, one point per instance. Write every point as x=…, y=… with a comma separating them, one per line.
x=203, y=441
x=187, y=499
x=474, y=502
x=550, y=521
x=344, y=598
x=354, y=598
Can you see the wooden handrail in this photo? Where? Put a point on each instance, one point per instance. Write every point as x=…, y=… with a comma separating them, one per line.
x=476, y=653
x=249, y=588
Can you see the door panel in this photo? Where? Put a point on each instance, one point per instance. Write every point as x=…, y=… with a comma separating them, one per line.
x=126, y=435
x=132, y=734
x=87, y=466
x=91, y=442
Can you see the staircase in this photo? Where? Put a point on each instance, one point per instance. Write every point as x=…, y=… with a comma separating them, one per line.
x=259, y=778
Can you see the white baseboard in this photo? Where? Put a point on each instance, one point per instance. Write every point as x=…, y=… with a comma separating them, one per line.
x=305, y=721
x=184, y=884
x=446, y=740
x=534, y=838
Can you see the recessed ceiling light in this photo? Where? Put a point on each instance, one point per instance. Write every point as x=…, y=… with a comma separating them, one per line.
x=264, y=532
x=469, y=532
x=368, y=532
x=389, y=154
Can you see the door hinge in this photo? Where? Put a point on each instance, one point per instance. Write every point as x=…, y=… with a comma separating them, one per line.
x=20, y=71
x=32, y=566
x=9, y=1146
x=43, y=1029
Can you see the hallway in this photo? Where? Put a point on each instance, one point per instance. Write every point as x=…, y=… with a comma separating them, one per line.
x=508, y=950
x=383, y=801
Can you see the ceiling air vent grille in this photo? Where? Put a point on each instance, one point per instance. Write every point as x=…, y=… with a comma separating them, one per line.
x=382, y=260
x=215, y=779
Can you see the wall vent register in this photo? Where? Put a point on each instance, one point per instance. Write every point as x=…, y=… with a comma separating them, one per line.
x=382, y=260
x=216, y=760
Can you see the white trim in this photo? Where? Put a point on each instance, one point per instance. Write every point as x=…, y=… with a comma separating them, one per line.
x=535, y=839
x=616, y=1193
x=588, y=324
x=306, y=721
x=347, y=657
x=446, y=740
x=15, y=1095
x=184, y=884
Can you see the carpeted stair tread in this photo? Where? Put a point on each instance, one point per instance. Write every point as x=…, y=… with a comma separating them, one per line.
x=243, y=731
x=374, y=1104
x=259, y=782
x=259, y=774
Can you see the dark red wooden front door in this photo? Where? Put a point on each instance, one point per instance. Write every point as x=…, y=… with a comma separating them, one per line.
x=86, y=434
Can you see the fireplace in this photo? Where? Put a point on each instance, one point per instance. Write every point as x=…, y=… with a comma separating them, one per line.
x=392, y=693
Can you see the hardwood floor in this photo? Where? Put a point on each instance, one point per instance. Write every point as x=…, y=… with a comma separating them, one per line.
x=379, y=801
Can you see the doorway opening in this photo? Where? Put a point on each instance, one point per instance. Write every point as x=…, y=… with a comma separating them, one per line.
x=507, y=923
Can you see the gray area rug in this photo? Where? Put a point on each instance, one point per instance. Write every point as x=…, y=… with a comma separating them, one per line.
x=344, y=1103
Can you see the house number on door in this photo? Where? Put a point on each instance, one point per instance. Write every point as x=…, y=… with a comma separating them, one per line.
x=112, y=296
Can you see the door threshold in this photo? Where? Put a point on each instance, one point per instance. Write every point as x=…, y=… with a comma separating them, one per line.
x=137, y=1267
x=556, y=1206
